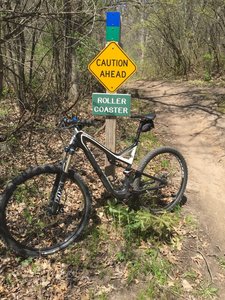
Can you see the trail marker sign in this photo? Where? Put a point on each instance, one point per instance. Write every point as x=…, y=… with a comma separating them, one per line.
x=113, y=28
x=112, y=67
x=111, y=104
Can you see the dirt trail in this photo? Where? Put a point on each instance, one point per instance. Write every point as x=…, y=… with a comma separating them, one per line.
x=195, y=127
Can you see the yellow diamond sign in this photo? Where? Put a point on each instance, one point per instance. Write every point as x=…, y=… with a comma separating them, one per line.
x=112, y=67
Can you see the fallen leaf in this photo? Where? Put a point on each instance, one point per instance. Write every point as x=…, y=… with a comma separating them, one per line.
x=186, y=285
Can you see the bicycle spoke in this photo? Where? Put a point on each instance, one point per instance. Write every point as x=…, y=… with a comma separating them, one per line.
x=32, y=224
x=162, y=179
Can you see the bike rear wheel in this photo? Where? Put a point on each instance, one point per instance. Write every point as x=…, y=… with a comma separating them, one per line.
x=27, y=227
x=162, y=179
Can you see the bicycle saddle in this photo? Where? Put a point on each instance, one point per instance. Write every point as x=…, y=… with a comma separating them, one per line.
x=149, y=117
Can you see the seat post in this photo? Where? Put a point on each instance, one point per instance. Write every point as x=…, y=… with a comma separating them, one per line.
x=138, y=133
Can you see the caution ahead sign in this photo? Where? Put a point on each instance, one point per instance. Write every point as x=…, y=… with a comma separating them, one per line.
x=112, y=67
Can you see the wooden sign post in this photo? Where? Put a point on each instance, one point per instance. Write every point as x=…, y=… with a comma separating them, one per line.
x=112, y=67
x=110, y=142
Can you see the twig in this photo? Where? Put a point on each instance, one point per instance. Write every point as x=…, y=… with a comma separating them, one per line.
x=207, y=265
x=100, y=129
x=203, y=256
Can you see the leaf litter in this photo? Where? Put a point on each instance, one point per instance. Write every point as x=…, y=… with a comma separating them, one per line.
x=96, y=266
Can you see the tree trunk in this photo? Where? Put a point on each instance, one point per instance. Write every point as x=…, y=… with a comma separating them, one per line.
x=68, y=59
x=1, y=71
x=1, y=62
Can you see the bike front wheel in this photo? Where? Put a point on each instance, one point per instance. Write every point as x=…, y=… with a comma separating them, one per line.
x=27, y=226
x=161, y=179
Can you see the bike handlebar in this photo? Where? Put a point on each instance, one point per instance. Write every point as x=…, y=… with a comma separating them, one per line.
x=76, y=122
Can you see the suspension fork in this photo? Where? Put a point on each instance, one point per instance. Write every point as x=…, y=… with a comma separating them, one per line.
x=54, y=205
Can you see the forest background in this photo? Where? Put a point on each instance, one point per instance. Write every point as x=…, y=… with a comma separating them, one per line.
x=46, y=45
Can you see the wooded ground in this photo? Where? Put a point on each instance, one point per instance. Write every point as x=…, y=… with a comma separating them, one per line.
x=109, y=263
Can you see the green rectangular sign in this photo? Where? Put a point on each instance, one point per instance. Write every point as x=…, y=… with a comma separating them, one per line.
x=112, y=33
x=111, y=104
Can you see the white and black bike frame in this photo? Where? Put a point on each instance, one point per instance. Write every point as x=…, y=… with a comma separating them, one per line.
x=125, y=159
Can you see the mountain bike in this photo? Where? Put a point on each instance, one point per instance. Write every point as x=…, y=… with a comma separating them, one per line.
x=46, y=208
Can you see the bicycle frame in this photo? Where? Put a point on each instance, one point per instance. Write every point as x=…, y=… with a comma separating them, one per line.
x=80, y=140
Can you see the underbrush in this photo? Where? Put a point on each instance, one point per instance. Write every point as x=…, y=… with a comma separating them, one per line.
x=122, y=254
x=123, y=249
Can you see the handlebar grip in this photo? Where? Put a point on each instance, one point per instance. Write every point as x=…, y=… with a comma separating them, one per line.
x=86, y=122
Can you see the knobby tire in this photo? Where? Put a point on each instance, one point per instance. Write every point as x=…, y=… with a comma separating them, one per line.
x=168, y=164
x=26, y=225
